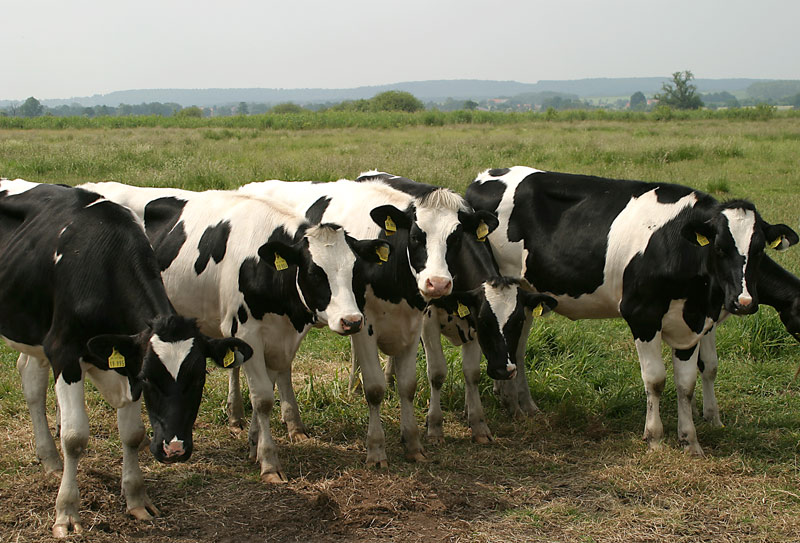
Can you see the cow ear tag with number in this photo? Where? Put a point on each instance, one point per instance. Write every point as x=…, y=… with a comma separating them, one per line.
x=775, y=243
x=482, y=231
x=280, y=262
x=702, y=240
x=116, y=360
x=229, y=359
x=390, y=226
x=463, y=310
x=538, y=310
x=383, y=253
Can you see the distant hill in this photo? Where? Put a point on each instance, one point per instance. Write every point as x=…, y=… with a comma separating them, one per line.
x=427, y=91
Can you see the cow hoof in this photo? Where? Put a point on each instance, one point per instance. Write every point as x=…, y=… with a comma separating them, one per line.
x=482, y=439
x=274, y=477
x=380, y=464
x=714, y=420
x=298, y=436
x=654, y=444
x=140, y=513
x=60, y=531
x=236, y=428
x=435, y=439
x=53, y=467
x=694, y=450
x=418, y=457
x=145, y=444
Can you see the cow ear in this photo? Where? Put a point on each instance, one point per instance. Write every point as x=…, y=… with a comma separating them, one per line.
x=279, y=255
x=375, y=251
x=478, y=223
x=228, y=352
x=390, y=219
x=468, y=301
x=780, y=237
x=116, y=352
x=698, y=233
x=539, y=304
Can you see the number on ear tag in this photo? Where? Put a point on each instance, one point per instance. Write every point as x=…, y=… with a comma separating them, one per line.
x=229, y=359
x=482, y=231
x=702, y=240
x=383, y=253
x=390, y=226
x=775, y=243
x=280, y=262
x=538, y=310
x=116, y=360
x=463, y=310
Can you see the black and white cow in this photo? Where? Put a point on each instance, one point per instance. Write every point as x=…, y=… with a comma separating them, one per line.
x=776, y=287
x=81, y=289
x=426, y=224
x=666, y=258
x=256, y=270
x=486, y=312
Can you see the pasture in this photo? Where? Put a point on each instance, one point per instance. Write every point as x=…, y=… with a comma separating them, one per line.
x=578, y=472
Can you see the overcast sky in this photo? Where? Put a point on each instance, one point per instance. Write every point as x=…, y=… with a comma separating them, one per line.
x=63, y=49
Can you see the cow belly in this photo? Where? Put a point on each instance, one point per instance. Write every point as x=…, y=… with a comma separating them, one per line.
x=280, y=340
x=395, y=326
x=601, y=304
x=674, y=330
x=36, y=351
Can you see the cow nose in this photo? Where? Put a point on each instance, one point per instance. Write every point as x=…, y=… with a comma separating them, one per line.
x=745, y=301
x=173, y=448
x=436, y=287
x=352, y=324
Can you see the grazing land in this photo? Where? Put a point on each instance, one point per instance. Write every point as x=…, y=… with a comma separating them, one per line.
x=578, y=472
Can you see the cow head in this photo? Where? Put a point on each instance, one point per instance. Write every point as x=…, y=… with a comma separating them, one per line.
x=497, y=311
x=435, y=226
x=167, y=364
x=326, y=258
x=734, y=239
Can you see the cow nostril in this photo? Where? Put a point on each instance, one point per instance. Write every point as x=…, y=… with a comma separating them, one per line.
x=745, y=301
x=353, y=325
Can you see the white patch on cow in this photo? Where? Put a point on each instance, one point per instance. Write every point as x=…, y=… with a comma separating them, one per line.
x=98, y=201
x=61, y=232
x=502, y=300
x=742, y=226
x=57, y=257
x=172, y=353
x=674, y=330
x=437, y=223
x=329, y=250
x=17, y=186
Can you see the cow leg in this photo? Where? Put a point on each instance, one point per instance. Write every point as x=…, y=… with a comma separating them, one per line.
x=234, y=406
x=389, y=372
x=654, y=376
x=131, y=433
x=354, y=383
x=471, y=362
x=707, y=363
x=515, y=394
x=35, y=374
x=74, y=438
x=405, y=366
x=365, y=351
x=437, y=373
x=685, y=375
x=262, y=397
x=290, y=412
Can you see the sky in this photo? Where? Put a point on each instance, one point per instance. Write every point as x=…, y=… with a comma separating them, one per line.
x=57, y=49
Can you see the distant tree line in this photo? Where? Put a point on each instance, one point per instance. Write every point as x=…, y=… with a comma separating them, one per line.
x=679, y=93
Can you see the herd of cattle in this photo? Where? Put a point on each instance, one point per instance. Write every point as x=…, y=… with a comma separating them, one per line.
x=136, y=287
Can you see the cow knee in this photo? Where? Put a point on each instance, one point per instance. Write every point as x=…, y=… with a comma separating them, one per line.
x=74, y=441
x=374, y=393
x=263, y=404
x=472, y=376
x=437, y=377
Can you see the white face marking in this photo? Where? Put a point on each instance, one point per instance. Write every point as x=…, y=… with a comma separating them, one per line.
x=172, y=354
x=502, y=300
x=329, y=251
x=742, y=226
x=437, y=224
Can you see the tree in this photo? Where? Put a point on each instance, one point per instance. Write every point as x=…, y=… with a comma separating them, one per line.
x=638, y=101
x=241, y=109
x=31, y=108
x=191, y=111
x=683, y=95
x=396, y=101
x=470, y=105
x=286, y=107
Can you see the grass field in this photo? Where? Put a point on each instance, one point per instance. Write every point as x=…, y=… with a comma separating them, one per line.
x=579, y=472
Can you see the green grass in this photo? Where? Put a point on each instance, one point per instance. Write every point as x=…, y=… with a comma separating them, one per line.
x=580, y=471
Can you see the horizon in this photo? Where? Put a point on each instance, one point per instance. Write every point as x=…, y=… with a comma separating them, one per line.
x=57, y=51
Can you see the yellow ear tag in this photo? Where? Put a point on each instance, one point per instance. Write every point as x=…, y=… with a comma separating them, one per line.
x=229, y=359
x=280, y=263
x=383, y=253
x=390, y=226
x=702, y=240
x=775, y=243
x=463, y=310
x=482, y=231
x=538, y=310
x=116, y=360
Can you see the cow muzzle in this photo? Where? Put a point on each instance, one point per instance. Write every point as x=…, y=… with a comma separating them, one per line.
x=174, y=451
x=745, y=305
x=436, y=287
x=351, y=324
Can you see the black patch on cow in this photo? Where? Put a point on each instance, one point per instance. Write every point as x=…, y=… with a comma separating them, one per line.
x=242, y=314
x=317, y=210
x=161, y=225
x=498, y=172
x=369, y=330
x=486, y=195
x=234, y=327
x=213, y=244
x=701, y=365
x=685, y=354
